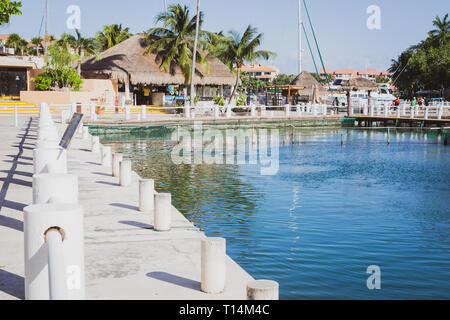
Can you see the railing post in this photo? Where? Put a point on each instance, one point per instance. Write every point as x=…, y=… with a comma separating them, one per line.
x=106, y=156
x=425, y=113
x=55, y=188
x=125, y=173
x=262, y=290
x=67, y=267
x=127, y=113
x=386, y=110
x=228, y=111
x=92, y=111
x=440, y=111
x=162, y=212
x=216, y=111
x=288, y=110
x=412, y=112
x=16, y=116
x=187, y=110
x=213, y=265
x=146, y=195
x=117, y=159
x=143, y=112
x=253, y=111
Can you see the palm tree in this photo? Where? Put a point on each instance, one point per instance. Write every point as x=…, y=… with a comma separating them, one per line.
x=173, y=44
x=442, y=31
x=37, y=41
x=112, y=35
x=80, y=46
x=14, y=41
x=236, y=50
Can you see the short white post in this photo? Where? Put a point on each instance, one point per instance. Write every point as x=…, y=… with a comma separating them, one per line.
x=299, y=110
x=54, y=238
x=16, y=117
x=162, y=212
x=253, y=111
x=55, y=188
x=106, y=156
x=125, y=173
x=386, y=109
x=398, y=112
x=263, y=111
x=213, y=265
x=262, y=290
x=37, y=220
x=127, y=113
x=187, y=110
x=440, y=111
x=85, y=133
x=143, y=112
x=228, y=113
x=50, y=160
x=288, y=110
x=425, y=113
x=412, y=112
x=92, y=111
x=117, y=159
x=216, y=111
x=95, y=144
x=146, y=195
x=314, y=109
x=324, y=106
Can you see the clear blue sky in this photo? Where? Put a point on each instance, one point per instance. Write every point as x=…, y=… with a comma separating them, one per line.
x=340, y=26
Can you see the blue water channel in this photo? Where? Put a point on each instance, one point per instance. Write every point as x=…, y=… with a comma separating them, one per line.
x=329, y=212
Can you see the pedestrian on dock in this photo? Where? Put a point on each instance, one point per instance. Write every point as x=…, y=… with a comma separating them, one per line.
x=413, y=102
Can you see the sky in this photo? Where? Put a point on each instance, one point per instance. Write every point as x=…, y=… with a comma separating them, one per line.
x=340, y=26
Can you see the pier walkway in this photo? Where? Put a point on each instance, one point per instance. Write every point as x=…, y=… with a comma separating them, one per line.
x=124, y=257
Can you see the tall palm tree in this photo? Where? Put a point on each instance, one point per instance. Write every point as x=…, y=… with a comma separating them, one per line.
x=112, y=35
x=14, y=41
x=236, y=50
x=173, y=43
x=37, y=41
x=80, y=46
x=442, y=31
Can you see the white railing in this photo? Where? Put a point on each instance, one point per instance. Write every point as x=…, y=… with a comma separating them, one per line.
x=433, y=111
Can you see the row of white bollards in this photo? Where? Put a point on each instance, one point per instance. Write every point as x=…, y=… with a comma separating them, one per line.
x=53, y=224
x=213, y=250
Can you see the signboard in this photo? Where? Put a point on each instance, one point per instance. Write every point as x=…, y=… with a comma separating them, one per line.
x=71, y=129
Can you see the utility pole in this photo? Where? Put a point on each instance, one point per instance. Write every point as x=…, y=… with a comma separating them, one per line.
x=46, y=27
x=299, y=36
x=165, y=6
x=194, y=55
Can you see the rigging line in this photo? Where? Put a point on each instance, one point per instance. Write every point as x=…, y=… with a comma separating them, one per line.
x=317, y=45
x=312, y=56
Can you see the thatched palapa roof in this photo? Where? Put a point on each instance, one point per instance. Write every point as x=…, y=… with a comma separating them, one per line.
x=307, y=80
x=359, y=84
x=127, y=59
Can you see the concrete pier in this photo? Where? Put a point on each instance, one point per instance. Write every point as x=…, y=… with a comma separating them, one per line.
x=124, y=257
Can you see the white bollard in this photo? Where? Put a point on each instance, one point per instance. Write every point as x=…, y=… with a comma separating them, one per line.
x=298, y=109
x=125, y=173
x=213, y=265
x=106, y=156
x=228, y=112
x=263, y=111
x=37, y=220
x=55, y=188
x=146, y=195
x=117, y=159
x=262, y=290
x=216, y=111
x=54, y=238
x=50, y=160
x=425, y=113
x=397, y=114
x=440, y=111
x=143, y=112
x=386, y=109
x=16, y=117
x=162, y=211
x=187, y=110
x=253, y=111
x=412, y=112
x=288, y=110
x=95, y=144
x=85, y=133
x=92, y=111
x=127, y=113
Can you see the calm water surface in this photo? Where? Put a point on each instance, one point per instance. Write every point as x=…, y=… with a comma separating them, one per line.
x=329, y=213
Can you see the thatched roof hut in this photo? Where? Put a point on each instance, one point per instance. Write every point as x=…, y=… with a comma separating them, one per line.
x=309, y=82
x=127, y=61
x=359, y=84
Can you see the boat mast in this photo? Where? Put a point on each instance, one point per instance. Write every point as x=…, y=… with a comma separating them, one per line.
x=299, y=36
x=46, y=26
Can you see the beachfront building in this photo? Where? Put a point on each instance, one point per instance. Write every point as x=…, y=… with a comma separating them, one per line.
x=345, y=74
x=4, y=50
x=15, y=75
x=138, y=79
x=261, y=72
x=370, y=74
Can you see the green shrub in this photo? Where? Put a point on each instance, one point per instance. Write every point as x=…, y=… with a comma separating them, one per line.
x=66, y=77
x=219, y=101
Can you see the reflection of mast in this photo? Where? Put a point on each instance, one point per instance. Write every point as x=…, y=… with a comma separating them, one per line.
x=295, y=198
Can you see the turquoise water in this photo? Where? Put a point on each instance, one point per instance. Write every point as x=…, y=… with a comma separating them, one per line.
x=329, y=213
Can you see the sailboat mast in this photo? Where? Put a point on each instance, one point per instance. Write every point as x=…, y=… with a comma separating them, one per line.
x=46, y=26
x=299, y=36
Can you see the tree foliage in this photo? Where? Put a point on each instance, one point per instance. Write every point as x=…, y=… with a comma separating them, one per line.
x=426, y=65
x=112, y=35
x=9, y=8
